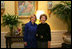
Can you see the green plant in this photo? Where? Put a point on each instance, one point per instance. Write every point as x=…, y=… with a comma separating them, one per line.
x=11, y=21
x=63, y=11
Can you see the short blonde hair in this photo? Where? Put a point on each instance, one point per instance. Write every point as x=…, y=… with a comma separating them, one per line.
x=33, y=16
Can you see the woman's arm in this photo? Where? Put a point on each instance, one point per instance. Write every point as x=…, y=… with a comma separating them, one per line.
x=37, y=33
x=49, y=34
x=49, y=44
x=25, y=35
x=49, y=37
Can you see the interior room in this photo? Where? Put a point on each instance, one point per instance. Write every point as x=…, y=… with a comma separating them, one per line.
x=59, y=22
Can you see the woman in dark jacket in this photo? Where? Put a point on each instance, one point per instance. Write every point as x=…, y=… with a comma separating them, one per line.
x=43, y=34
x=30, y=32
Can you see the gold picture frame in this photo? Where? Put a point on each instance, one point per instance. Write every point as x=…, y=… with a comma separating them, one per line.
x=25, y=17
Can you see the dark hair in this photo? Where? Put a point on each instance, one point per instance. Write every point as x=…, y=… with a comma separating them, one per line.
x=32, y=16
x=43, y=15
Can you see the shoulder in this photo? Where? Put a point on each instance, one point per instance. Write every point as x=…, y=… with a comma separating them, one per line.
x=39, y=25
x=27, y=24
x=35, y=24
x=47, y=25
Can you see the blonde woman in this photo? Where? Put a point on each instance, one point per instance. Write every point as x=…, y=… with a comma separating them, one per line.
x=30, y=32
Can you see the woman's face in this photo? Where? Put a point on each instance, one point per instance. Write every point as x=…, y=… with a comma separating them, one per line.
x=33, y=19
x=43, y=19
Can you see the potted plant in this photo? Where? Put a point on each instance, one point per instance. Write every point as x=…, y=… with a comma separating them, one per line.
x=11, y=21
x=63, y=11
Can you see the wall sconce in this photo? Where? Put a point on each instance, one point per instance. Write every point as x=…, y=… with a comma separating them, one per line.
x=38, y=13
x=49, y=7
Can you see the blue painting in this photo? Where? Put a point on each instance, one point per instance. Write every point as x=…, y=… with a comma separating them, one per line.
x=26, y=8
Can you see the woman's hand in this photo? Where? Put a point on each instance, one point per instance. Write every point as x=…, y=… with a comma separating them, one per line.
x=25, y=43
x=49, y=44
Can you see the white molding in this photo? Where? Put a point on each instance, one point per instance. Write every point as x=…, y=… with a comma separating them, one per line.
x=59, y=31
x=55, y=43
x=56, y=33
x=3, y=32
x=51, y=31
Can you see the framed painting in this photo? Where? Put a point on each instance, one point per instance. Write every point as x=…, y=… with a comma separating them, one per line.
x=49, y=4
x=24, y=9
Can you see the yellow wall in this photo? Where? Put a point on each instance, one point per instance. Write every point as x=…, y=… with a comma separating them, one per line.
x=9, y=8
x=53, y=21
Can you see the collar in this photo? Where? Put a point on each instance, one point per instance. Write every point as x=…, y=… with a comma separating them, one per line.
x=31, y=23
